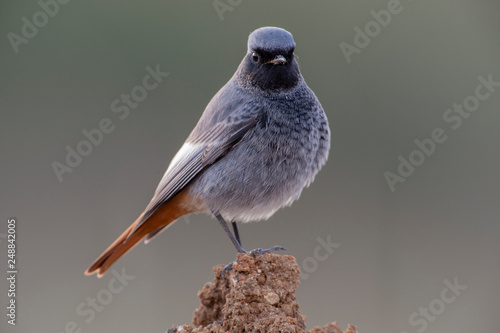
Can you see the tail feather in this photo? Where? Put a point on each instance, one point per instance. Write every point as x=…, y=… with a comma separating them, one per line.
x=168, y=213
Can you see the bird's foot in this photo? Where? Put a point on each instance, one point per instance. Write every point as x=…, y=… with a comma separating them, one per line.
x=272, y=249
x=260, y=251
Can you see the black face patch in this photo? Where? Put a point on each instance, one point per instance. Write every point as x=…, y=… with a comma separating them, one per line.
x=268, y=76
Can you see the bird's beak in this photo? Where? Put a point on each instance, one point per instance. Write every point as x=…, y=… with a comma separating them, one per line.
x=278, y=60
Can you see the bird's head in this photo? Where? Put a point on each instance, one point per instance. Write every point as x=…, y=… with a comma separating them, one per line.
x=270, y=63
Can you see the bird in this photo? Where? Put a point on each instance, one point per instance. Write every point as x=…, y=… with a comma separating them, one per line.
x=260, y=141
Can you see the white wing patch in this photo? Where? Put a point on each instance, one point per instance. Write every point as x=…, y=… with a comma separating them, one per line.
x=184, y=155
x=186, y=150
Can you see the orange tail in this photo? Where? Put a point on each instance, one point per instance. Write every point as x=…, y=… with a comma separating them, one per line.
x=168, y=213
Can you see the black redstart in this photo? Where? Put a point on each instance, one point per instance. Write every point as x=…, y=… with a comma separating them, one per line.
x=262, y=138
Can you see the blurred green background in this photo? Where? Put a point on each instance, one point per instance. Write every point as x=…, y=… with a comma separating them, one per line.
x=396, y=247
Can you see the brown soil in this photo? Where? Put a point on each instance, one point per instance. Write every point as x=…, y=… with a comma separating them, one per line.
x=258, y=295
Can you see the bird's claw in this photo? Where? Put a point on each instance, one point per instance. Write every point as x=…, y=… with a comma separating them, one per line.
x=272, y=249
x=227, y=268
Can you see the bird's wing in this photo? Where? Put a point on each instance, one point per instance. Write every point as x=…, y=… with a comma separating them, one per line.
x=211, y=139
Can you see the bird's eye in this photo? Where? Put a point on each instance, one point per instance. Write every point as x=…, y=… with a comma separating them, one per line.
x=255, y=57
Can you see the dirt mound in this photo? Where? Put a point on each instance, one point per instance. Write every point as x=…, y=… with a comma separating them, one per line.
x=258, y=295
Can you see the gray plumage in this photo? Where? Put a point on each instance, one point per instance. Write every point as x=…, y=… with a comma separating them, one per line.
x=262, y=138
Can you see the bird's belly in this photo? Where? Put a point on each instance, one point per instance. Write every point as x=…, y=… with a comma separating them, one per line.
x=252, y=182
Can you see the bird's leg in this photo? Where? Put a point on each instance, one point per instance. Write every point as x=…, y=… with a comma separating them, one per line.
x=236, y=242
x=236, y=232
x=233, y=239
